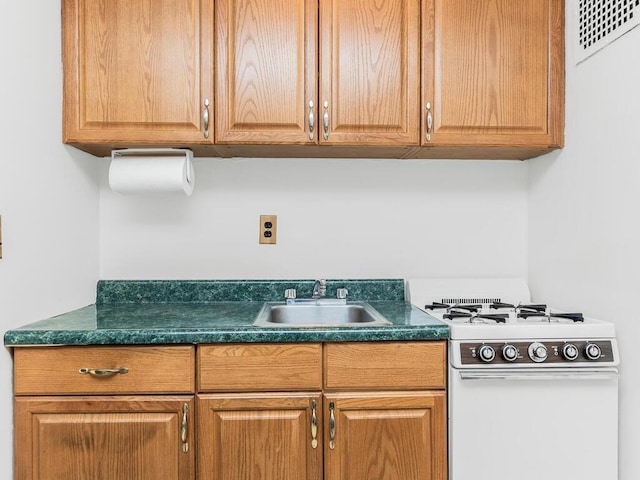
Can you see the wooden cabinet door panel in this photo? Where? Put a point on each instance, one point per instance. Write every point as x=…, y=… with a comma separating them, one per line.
x=387, y=436
x=258, y=437
x=137, y=72
x=266, y=70
x=102, y=438
x=493, y=72
x=369, y=70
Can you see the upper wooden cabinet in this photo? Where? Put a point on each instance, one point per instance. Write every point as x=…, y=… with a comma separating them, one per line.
x=370, y=72
x=265, y=70
x=493, y=73
x=316, y=78
x=266, y=82
x=137, y=73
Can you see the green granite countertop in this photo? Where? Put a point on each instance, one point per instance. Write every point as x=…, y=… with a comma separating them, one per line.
x=219, y=311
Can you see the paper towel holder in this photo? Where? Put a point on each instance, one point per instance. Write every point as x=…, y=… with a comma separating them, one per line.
x=158, y=152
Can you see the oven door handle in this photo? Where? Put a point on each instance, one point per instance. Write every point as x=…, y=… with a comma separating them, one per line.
x=598, y=374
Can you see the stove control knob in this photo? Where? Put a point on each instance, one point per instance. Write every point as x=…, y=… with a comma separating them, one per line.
x=486, y=353
x=537, y=352
x=509, y=353
x=570, y=352
x=592, y=351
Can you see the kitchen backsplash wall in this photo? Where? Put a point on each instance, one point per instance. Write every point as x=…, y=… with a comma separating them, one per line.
x=336, y=218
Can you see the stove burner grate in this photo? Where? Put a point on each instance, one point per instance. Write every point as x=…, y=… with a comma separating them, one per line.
x=482, y=313
x=574, y=317
x=474, y=317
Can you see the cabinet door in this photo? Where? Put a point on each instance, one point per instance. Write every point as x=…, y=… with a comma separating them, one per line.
x=259, y=437
x=266, y=71
x=493, y=72
x=370, y=56
x=386, y=436
x=137, y=72
x=104, y=438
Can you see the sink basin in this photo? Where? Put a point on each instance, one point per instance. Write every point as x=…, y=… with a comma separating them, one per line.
x=352, y=314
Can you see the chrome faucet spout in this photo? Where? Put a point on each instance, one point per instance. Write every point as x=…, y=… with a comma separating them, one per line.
x=319, y=289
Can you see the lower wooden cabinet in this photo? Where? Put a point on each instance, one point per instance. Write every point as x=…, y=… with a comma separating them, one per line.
x=104, y=438
x=379, y=412
x=392, y=435
x=104, y=412
x=306, y=411
x=259, y=437
x=395, y=435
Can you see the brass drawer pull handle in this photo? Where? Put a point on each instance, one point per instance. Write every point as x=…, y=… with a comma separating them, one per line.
x=325, y=120
x=312, y=120
x=205, y=118
x=429, y=121
x=103, y=372
x=332, y=426
x=314, y=425
x=183, y=429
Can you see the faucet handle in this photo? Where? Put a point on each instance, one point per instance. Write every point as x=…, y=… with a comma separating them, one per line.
x=342, y=293
x=290, y=293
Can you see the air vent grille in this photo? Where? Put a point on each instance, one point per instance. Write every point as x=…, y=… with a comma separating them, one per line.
x=600, y=22
x=462, y=300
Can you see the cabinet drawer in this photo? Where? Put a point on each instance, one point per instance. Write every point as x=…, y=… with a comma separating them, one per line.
x=59, y=370
x=387, y=366
x=259, y=367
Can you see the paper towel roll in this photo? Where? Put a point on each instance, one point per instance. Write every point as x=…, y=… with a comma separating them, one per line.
x=152, y=171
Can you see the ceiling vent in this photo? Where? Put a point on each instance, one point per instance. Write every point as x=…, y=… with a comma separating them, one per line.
x=600, y=22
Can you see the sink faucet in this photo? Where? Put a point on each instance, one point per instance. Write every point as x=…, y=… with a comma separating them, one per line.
x=319, y=289
x=318, y=296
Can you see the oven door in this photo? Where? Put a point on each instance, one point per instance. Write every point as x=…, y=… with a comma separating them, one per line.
x=531, y=424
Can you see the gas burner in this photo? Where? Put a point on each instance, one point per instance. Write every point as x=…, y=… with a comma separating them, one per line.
x=465, y=307
x=437, y=306
x=533, y=307
x=501, y=305
x=551, y=317
x=474, y=317
x=455, y=308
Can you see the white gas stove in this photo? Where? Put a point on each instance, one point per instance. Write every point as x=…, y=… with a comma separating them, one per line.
x=498, y=314
x=532, y=390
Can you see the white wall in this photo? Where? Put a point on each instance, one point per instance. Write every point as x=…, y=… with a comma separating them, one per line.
x=584, y=212
x=48, y=193
x=336, y=219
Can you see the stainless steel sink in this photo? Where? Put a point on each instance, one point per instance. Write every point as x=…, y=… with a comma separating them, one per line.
x=319, y=314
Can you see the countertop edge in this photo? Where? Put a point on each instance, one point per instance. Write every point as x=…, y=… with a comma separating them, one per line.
x=28, y=338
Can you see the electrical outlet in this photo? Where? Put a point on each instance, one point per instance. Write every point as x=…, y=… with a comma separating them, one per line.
x=268, y=229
